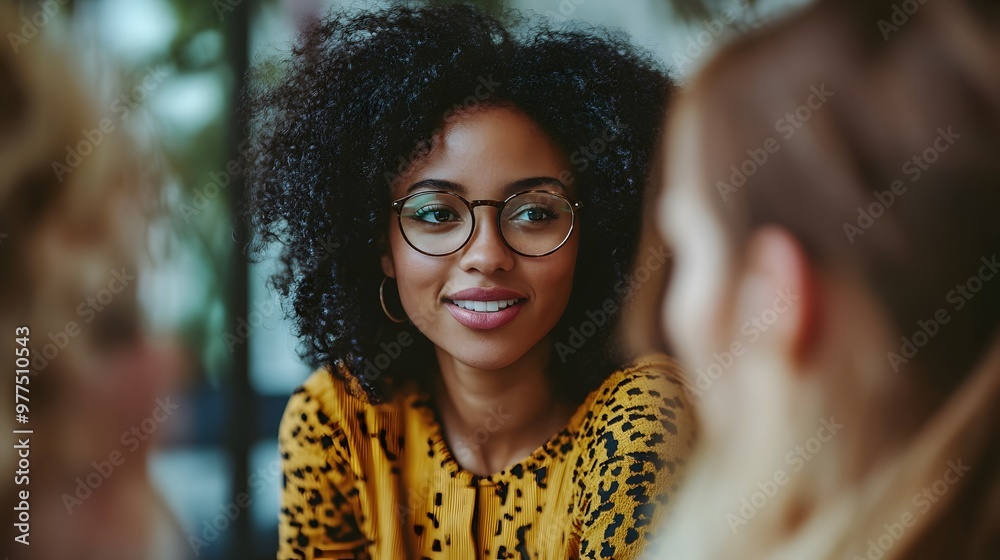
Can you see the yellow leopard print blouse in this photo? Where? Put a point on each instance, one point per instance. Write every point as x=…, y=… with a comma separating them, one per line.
x=379, y=481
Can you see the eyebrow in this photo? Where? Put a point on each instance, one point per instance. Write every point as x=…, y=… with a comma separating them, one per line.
x=508, y=189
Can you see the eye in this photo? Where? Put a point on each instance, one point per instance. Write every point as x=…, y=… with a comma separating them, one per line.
x=534, y=212
x=435, y=214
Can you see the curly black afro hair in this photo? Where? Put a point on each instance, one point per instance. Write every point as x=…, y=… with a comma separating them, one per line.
x=364, y=93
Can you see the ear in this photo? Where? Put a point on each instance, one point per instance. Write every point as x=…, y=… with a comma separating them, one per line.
x=776, y=295
x=388, y=265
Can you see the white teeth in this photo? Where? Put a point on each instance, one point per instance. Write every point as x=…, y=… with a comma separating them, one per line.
x=484, y=306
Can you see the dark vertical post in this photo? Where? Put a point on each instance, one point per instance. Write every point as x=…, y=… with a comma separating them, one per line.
x=239, y=433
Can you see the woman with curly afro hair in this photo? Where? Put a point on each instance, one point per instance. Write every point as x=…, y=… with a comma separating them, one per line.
x=457, y=201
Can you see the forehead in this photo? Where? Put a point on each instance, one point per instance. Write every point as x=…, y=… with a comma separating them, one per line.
x=487, y=148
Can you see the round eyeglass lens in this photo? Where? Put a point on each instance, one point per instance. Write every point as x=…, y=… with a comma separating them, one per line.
x=436, y=223
x=536, y=223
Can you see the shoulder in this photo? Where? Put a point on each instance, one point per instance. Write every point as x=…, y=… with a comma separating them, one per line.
x=637, y=437
x=642, y=408
x=322, y=400
x=658, y=373
x=320, y=508
x=331, y=415
x=321, y=418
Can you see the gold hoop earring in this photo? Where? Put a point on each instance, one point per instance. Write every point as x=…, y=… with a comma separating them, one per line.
x=381, y=298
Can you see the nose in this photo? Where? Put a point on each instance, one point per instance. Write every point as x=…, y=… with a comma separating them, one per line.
x=486, y=250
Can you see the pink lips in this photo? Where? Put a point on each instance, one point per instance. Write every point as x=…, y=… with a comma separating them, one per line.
x=484, y=320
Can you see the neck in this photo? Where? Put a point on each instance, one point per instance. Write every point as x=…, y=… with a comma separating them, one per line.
x=495, y=418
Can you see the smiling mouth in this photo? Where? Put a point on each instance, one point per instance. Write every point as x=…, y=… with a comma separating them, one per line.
x=484, y=306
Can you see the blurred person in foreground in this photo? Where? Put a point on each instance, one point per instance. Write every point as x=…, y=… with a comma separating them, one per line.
x=832, y=197
x=72, y=245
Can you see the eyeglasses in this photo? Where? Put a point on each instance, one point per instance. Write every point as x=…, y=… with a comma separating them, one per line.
x=532, y=223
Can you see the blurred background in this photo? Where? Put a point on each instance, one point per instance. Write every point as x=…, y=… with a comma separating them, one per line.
x=179, y=67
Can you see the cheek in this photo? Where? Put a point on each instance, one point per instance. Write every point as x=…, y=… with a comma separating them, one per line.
x=418, y=276
x=692, y=309
x=551, y=277
x=562, y=272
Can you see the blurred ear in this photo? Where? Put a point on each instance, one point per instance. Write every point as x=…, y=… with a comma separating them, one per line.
x=776, y=299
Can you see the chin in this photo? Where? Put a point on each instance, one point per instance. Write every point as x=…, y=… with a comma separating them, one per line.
x=486, y=355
